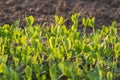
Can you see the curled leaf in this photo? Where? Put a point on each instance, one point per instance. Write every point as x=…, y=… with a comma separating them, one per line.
x=30, y=20
x=52, y=42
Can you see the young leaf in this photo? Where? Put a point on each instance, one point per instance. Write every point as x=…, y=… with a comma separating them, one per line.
x=104, y=29
x=64, y=68
x=63, y=30
x=75, y=17
x=30, y=20
x=72, y=18
x=52, y=42
x=60, y=20
x=54, y=29
x=16, y=61
x=109, y=76
x=56, y=18
x=91, y=22
x=117, y=50
x=23, y=39
x=53, y=72
x=67, y=43
x=2, y=65
x=84, y=22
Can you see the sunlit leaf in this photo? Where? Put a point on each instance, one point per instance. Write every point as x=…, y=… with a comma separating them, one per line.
x=109, y=76
x=91, y=22
x=104, y=29
x=84, y=22
x=61, y=20
x=52, y=42
x=63, y=30
x=68, y=43
x=23, y=39
x=30, y=20
x=2, y=67
x=56, y=18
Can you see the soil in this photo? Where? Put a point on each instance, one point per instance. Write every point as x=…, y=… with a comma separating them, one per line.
x=105, y=11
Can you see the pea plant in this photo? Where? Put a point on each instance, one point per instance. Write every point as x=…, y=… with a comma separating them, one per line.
x=58, y=52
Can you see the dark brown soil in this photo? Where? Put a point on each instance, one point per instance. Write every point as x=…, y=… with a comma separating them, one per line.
x=105, y=11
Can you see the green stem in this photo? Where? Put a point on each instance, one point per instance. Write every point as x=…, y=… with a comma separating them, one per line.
x=57, y=34
x=64, y=45
x=93, y=30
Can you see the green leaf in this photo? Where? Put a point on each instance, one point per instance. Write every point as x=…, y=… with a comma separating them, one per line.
x=74, y=27
x=109, y=75
x=23, y=39
x=56, y=18
x=67, y=43
x=16, y=61
x=54, y=29
x=117, y=50
x=3, y=59
x=30, y=20
x=52, y=42
x=1, y=40
x=35, y=43
x=113, y=25
x=28, y=71
x=34, y=60
x=28, y=50
x=75, y=17
x=60, y=20
x=53, y=71
x=113, y=31
x=64, y=68
x=2, y=65
x=59, y=55
x=91, y=22
x=84, y=22
x=43, y=77
x=117, y=47
x=104, y=29
x=63, y=30
x=92, y=75
x=93, y=60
